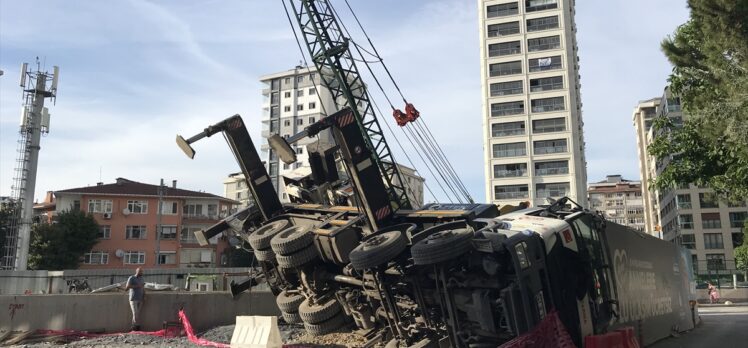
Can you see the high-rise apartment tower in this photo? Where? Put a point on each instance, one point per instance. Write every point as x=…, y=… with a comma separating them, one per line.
x=532, y=119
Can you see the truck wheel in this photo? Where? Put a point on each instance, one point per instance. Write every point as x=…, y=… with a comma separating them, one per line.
x=292, y=240
x=298, y=258
x=326, y=326
x=289, y=302
x=264, y=255
x=377, y=250
x=442, y=246
x=291, y=318
x=260, y=239
x=319, y=312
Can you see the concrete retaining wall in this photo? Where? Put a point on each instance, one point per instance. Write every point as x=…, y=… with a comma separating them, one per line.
x=111, y=311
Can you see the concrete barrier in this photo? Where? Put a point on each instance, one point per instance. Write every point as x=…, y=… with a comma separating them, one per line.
x=734, y=295
x=111, y=311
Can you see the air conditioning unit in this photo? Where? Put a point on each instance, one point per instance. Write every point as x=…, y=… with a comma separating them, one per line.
x=126, y=211
x=107, y=216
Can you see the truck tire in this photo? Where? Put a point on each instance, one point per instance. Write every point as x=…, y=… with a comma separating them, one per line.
x=319, y=312
x=292, y=240
x=264, y=255
x=289, y=302
x=442, y=246
x=291, y=318
x=298, y=258
x=377, y=250
x=260, y=239
x=326, y=326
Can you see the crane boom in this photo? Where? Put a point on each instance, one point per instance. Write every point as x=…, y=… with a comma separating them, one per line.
x=334, y=62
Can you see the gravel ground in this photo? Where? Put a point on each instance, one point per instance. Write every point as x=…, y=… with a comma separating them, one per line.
x=290, y=334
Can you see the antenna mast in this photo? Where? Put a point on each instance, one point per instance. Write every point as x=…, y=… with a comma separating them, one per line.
x=34, y=122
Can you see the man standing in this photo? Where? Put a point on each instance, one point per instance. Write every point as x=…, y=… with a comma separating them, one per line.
x=136, y=285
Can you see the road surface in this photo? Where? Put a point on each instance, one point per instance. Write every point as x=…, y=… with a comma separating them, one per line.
x=720, y=327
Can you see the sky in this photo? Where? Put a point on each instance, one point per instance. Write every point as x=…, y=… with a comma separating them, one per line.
x=135, y=73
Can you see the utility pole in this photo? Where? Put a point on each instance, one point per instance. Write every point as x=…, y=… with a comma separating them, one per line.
x=161, y=192
x=34, y=122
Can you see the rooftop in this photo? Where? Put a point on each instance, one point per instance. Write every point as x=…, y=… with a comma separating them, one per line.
x=128, y=187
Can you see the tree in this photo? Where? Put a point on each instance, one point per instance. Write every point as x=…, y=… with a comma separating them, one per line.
x=741, y=252
x=61, y=245
x=709, y=54
x=6, y=213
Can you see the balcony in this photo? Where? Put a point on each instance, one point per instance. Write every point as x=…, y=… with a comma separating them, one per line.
x=552, y=171
x=511, y=195
x=550, y=149
x=200, y=217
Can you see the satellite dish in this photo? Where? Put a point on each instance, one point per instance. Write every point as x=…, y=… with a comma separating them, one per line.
x=126, y=211
x=119, y=253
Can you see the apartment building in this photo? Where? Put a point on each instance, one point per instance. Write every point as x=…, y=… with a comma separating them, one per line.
x=128, y=214
x=619, y=200
x=294, y=99
x=235, y=187
x=532, y=119
x=689, y=215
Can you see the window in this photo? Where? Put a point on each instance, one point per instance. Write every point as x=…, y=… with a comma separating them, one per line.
x=105, y=232
x=546, y=84
x=311, y=76
x=96, y=258
x=168, y=232
x=558, y=189
x=552, y=168
x=273, y=169
x=685, y=221
x=287, y=108
x=544, y=64
x=312, y=105
x=287, y=80
x=715, y=261
x=549, y=125
x=735, y=204
x=274, y=126
x=299, y=121
x=509, y=170
x=312, y=91
x=684, y=201
x=710, y=220
x=508, y=68
x=300, y=93
x=543, y=147
x=511, y=191
x=539, y=5
x=300, y=78
x=99, y=206
x=168, y=208
x=688, y=241
x=502, y=10
x=299, y=107
x=238, y=195
x=138, y=207
x=542, y=23
x=544, y=43
x=503, y=29
x=286, y=166
x=506, y=88
x=708, y=200
x=287, y=95
x=193, y=209
x=312, y=120
x=547, y=104
x=737, y=219
x=504, y=49
x=299, y=150
x=76, y=205
x=134, y=258
x=509, y=150
x=737, y=239
x=187, y=234
x=506, y=109
x=507, y=129
x=713, y=241
x=135, y=232
x=274, y=98
x=274, y=111
x=167, y=258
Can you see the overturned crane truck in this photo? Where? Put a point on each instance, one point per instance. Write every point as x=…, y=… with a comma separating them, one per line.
x=459, y=275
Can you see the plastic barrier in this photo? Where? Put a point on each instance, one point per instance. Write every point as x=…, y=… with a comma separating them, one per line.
x=620, y=338
x=256, y=332
x=549, y=333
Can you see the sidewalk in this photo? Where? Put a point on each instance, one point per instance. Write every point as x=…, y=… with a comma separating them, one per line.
x=722, y=304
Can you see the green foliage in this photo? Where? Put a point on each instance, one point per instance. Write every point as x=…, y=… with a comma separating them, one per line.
x=6, y=213
x=61, y=245
x=741, y=252
x=709, y=54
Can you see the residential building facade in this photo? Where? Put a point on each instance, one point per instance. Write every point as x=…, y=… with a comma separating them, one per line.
x=532, y=119
x=235, y=187
x=619, y=200
x=130, y=237
x=294, y=99
x=689, y=215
